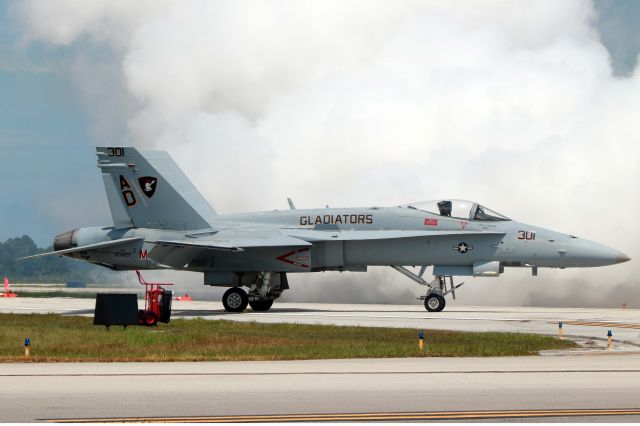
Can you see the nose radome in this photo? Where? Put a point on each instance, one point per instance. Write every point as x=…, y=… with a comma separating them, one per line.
x=622, y=258
x=589, y=253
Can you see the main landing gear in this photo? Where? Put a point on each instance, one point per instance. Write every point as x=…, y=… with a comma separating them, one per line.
x=436, y=290
x=267, y=287
x=236, y=300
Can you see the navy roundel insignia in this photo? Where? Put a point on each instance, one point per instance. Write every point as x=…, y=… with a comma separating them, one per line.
x=148, y=185
x=463, y=248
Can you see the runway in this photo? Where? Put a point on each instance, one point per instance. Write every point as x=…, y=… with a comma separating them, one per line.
x=374, y=389
x=592, y=384
x=589, y=326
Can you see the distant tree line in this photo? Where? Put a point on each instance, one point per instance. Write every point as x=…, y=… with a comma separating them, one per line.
x=47, y=269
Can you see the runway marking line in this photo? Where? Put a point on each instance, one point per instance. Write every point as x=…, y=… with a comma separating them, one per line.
x=324, y=373
x=602, y=324
x=390, y=315
x=339, y=417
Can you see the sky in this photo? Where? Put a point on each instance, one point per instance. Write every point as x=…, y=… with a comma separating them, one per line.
x=530, y=109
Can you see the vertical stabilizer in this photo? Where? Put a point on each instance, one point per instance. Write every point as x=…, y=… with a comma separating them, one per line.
x=148, y=190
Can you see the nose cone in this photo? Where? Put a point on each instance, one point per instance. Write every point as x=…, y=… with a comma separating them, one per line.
x=587, y=253
x=622, y=258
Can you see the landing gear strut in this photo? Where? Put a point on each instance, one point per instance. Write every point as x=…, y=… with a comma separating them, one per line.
x=267, y=288
x=436, y=290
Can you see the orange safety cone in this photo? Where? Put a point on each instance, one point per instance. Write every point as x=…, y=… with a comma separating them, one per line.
x=185, y=298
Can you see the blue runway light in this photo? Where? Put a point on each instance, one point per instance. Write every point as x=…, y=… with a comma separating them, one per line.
x=560, y=330
x=609, y=334
x=27, y=345
x=421, y=335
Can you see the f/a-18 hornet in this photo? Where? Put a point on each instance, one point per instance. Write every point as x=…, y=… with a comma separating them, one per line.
x=161, y=221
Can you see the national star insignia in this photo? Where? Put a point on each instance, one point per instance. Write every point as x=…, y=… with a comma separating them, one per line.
x=463, y=247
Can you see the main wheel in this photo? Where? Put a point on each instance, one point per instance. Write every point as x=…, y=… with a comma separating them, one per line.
x=150, y=319
x=235, y=300
x=434, y=303
x=261, y=305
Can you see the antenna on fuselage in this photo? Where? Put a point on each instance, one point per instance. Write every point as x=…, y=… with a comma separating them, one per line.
x=291, y=206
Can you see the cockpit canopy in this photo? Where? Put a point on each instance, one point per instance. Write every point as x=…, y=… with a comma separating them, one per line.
x=460, y=209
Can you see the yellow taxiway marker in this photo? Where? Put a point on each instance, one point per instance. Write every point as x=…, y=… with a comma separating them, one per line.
x=434, y=415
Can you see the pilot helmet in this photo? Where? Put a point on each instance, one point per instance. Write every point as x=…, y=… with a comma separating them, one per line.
x=445, y=208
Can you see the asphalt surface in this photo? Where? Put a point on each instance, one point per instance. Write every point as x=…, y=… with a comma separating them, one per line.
x=556, y=387
x=389, y=388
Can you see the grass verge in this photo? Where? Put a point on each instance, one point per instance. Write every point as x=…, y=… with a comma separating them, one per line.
x=59, y=338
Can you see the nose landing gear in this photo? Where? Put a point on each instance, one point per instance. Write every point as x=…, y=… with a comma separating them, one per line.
x=436, y=290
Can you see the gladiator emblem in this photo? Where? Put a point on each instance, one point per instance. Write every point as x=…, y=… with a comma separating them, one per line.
x=148, y=185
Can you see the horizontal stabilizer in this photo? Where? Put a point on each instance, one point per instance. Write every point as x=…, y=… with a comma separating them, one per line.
x=88, y=247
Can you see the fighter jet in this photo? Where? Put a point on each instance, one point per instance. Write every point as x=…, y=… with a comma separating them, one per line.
x=161, y=221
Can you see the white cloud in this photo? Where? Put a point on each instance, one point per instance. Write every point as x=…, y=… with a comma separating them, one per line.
x=356, y=103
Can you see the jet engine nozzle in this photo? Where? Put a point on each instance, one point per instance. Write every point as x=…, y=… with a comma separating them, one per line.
x=66, y=240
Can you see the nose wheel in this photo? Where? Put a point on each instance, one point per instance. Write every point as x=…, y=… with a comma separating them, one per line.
x=434, y=303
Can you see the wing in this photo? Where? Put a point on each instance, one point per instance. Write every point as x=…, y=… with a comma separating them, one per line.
x=312, y=235
x=178, y=253
x=234, y=241
x=238, y=240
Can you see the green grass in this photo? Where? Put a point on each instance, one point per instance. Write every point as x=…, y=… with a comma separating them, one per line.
x=60, y=338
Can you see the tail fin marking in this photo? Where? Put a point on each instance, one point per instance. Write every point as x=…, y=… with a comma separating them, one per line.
x=148, y=190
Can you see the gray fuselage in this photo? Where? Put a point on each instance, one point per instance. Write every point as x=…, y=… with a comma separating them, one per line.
x=467, y=242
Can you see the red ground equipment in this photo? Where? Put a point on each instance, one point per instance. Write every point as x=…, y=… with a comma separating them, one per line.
x=157, y=303
x=7, y=290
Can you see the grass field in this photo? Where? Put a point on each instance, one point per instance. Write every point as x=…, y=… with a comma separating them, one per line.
x=60, y=338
